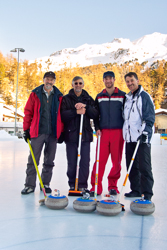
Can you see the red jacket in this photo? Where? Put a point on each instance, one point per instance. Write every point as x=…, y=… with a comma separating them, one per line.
x=33, y=111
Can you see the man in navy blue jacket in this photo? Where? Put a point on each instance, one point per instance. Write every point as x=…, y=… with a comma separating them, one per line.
x=109, y=125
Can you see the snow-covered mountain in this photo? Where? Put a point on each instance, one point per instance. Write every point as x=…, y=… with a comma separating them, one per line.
x=149, y=48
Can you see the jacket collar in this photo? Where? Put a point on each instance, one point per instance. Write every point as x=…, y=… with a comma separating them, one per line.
x=104, y=91
x=130, y=94
x=38, y=90
x=83, y=94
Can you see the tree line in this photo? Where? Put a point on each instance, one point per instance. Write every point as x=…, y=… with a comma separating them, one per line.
x=153, y=78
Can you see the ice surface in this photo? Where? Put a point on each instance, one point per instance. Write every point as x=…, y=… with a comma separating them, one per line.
x=24, y=224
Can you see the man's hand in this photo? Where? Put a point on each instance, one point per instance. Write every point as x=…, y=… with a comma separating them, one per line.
x=81, y=111
x=80, y=105
x=143, y=137
x=98, y=132
x=26, y=135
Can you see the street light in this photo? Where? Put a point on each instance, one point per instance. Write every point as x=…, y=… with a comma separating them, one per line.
x=15, y=50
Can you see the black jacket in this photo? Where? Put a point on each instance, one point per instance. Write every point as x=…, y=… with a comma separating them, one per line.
x=71, y=119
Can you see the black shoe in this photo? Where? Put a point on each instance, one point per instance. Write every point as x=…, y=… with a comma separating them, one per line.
x=48, y=190
x=72, y=189
x=27, y=190
x=92, y=194
x=113, y=192
x=147, y=198
x=132, y=194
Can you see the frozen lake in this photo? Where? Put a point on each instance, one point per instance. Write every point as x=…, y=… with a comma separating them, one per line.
x=24, y=224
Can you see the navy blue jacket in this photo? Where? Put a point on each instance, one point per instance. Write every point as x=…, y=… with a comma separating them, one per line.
x=110, y=110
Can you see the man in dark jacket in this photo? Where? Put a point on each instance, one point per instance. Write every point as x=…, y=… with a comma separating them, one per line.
x=78, y=102
x=42, y=125
x=109, y=126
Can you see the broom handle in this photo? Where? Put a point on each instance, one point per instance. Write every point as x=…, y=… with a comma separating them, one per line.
x=79, y=153
x=36, y=167
x=97, y=168
x=129, y=169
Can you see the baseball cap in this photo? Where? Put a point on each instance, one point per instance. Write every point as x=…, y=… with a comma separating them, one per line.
x=108, y=73
x=50, y=74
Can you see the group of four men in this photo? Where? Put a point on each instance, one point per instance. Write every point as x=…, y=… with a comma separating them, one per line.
x=112, y=112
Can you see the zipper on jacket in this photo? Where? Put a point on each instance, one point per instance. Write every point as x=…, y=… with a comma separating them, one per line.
x=48, y=112
x=129, y=132
x=109, y=111
x=128, y=120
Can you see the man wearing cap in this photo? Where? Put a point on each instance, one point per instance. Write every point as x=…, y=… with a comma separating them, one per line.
x=74, y=104
x=42, y=125
x=109, y=126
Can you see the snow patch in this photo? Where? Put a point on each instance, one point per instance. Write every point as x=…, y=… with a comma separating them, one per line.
x=5, y=136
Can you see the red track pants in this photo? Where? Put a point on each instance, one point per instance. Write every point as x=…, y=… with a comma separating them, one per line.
x=111, y=142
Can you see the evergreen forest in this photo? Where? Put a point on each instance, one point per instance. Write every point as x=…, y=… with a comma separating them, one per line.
x=153, y=79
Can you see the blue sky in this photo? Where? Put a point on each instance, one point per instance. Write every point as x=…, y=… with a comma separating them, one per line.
x=44, y=26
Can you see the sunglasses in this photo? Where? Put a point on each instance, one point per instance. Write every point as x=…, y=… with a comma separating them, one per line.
x=76, y=83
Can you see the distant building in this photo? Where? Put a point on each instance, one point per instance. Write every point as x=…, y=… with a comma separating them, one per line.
x=7, y=113
x=7, y=118
x=161, y=121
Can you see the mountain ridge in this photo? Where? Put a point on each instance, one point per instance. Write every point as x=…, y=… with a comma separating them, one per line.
x=148, y=48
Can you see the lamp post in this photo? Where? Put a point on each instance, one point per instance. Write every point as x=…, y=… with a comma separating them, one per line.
x=17, y=50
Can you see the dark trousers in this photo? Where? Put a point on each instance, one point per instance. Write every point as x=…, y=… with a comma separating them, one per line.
x=37, y=144
x=141, y=178
x=72, y=153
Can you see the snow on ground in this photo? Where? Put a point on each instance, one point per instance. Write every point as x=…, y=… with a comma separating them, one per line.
x=24, y=224
x=6, y=136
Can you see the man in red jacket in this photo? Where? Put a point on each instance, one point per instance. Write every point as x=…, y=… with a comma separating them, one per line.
x=42, y=125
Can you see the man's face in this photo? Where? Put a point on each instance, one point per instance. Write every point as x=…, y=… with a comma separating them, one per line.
x=132, y=83
x=78, y=86
x=48, y=82
x=109, y=82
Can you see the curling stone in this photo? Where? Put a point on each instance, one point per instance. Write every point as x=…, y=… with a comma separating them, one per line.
x=142, y=207
x=84, y=205
x=56, y=202
x=109, y=207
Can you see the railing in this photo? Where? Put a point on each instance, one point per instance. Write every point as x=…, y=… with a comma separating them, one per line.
x=163, y=137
